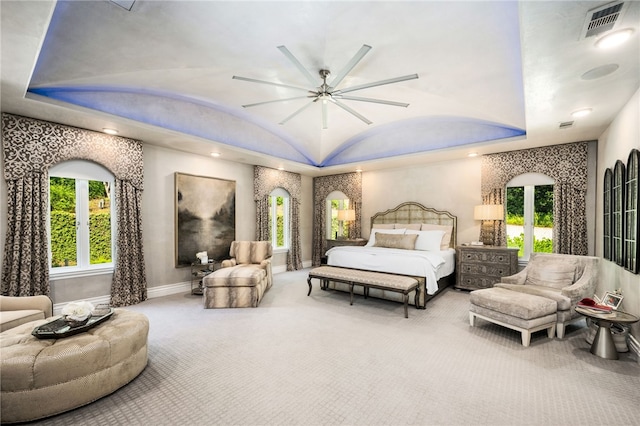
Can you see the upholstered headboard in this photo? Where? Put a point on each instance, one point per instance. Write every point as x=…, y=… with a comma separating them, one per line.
x=416, y=213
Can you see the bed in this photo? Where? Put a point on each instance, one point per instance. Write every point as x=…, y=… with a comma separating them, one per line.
x=433, y=263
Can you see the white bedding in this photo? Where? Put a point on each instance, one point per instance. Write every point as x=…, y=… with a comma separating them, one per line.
x=432, y=265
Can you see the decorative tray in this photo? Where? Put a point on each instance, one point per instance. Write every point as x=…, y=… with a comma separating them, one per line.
x=59, y=328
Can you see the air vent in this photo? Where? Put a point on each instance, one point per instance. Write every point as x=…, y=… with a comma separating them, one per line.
x=126, y=4
x=603, y=18
x=565, y=125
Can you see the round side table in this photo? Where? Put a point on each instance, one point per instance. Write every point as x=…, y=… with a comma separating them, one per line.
x=603, y=344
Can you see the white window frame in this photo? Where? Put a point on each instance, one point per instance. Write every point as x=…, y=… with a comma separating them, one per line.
x=341, y=198
x=529, y=181
x=280, y=192
x=83, y=171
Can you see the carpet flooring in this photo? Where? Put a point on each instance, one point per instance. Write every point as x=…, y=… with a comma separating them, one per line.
x=316, y=360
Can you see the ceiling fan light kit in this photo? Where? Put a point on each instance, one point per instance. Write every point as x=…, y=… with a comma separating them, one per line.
x=326, y=92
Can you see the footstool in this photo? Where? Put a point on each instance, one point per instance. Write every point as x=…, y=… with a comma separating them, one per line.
x=241, y=286
x=522, y=312
x=43, y=377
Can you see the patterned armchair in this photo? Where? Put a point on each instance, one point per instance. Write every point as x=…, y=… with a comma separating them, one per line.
x=563, y=278
x=242, y=280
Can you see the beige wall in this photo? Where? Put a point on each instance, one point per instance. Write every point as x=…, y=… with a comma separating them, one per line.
x=616, y=144
x=453, y=186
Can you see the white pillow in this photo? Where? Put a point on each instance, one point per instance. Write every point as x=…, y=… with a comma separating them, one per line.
x=372, y=237
x=427, y=240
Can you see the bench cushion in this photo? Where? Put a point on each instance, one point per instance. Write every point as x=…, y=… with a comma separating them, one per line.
x=379, y=279
x=512, y=303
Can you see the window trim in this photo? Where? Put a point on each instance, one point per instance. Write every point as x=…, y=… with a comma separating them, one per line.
x=83, y=171
x=280, y=192
x=529, y=181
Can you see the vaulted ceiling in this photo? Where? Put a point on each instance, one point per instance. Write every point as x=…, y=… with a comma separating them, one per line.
x=492, y=76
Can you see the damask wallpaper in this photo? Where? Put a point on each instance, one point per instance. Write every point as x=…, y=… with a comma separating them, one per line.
x=32, y=146
x=348, y=183
x=567, y=165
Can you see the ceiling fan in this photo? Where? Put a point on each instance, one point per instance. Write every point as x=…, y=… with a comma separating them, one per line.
x=327, y=92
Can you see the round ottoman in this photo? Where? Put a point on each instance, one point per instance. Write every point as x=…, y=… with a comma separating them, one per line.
x=43, y=377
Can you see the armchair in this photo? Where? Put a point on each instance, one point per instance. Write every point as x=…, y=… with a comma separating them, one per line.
x=242, y=280
x=563, y=278
x=15, y=311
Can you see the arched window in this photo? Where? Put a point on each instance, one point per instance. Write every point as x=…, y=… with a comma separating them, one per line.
x=81, y=221
x=279, y=219
x=529, y=214
x=335, y=227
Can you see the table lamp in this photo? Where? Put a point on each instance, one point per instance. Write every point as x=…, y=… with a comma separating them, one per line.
x=488, y=213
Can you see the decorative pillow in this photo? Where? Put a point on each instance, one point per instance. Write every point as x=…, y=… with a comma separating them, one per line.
x=552, y=274
x=397, y=241
x=427, y=240
x=446, y=238
x=414, y=226
x=372, y=237
x=384, y=226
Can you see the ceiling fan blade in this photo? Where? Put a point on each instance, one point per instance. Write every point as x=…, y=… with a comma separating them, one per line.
x=351, y=111
x=377, y=83
x=253, y=80
x=313, y=80
x=276, y=100
x=298, y=111
x=325, y=119
x=349, y=66
x=375, y=101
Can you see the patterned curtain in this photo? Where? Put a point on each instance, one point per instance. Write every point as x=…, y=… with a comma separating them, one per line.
x=264, y=182
x=32, y=146
x=496, y=196
x=25, y=270
x=129, y=285
x=350, y=184
x=567, y=165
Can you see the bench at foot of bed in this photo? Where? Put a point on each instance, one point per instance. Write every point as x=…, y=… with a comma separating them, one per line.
x=368, y=279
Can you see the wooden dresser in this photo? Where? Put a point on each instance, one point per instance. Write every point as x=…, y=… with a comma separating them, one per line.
x=483, y=266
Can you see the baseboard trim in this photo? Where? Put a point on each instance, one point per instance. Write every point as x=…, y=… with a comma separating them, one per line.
x=159, y=291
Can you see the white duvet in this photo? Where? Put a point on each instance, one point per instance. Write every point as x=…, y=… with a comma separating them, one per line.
x=432, y=265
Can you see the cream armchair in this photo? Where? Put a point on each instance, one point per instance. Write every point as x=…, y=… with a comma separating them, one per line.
x=242, y=280
x=15, y=311
x=563, y=278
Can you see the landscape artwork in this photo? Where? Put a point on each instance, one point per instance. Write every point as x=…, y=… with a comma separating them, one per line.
x=205, y=217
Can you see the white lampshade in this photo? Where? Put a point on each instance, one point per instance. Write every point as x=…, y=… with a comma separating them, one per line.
x=489, y=212
x=346, y=215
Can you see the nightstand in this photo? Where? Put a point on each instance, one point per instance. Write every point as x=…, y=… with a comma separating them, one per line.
x=483, y=266
x=342, y=242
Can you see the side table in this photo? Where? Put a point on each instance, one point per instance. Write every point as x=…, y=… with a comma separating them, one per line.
x=199, y=271
x=603, y=344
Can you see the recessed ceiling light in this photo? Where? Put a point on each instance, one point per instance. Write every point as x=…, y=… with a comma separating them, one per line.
x=614, y=39
x=358, y=170
x=215, y=154
x=599, y=72
x=581, y=112
x=110, y=131
x=472, y=154
x=280, y=168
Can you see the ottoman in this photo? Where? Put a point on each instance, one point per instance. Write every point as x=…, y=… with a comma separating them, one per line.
x=522, y=312
x=43, y=377
x=240, y=286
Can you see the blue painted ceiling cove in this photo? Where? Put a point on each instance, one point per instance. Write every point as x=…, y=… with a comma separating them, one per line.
x=68, y=70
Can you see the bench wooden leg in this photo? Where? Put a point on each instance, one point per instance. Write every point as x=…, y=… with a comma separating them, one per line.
x=406, y=305
x=351, y=292
x=309, y=282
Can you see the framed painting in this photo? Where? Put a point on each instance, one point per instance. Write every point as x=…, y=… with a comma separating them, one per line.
x=205, y=216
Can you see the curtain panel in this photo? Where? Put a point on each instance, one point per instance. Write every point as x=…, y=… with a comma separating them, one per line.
x=350, y=184
x=32, y=146
x=567, y=164
x=265, y=180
